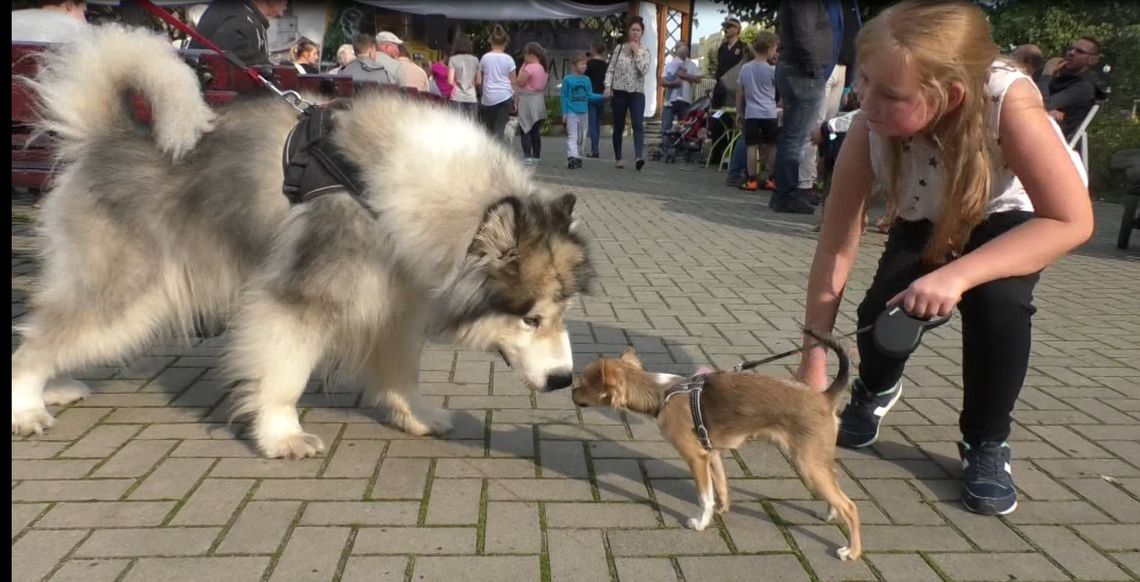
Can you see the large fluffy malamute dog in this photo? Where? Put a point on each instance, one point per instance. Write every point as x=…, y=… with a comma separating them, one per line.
x=147, y=229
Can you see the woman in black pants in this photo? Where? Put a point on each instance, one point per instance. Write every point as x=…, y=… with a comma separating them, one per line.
x=625, y=82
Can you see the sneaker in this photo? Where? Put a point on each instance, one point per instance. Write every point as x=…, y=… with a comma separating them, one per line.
x=987, y=482
x=640, y=164
x=570, y=164
x=751, y=185
x=734, y=181
x=529, y=161
x=810, y=195
x=859, y=421
x=791, y=205
x=592, y=155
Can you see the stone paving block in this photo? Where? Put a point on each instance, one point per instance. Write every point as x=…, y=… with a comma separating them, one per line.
x=24, y=514
x=1038, y=484
x=743, y=568
x=150, y=541
x=213, y=503
x=539, y=490
x=600, y=515
x=454, y=502
x=375, y=569
x=214, y=569
x=577, y=555
x=645, y=570
x=564, y=459
x=189, y=431
x=511, y=440
x=173, y=479
x=96, y=514
x=902, y=504
x=101, y=442
x=361, y=513
x=1081, y=560
x=1069, y=441
x=38, y=552
x=819, y=545
x=93, y=490
x=913, y=538
x=167, y=414
x=984, y=531
x=1049, y=512
x=216, y=448
x=312, y=553
x=400, y=479
x=259, y=528
x=415, y=540
x=135, y=459
x=752, y=529
x=311, y=489
x=36, y=449
x=1087, y=468
x=50, y=469
x=1108, y=497
x=477, y=568
x=512, y=528
x=1111, y=537
x=1130, y=560
x=665, y=542
x=435, y=448
x=90, y=571
x=355, y=459
x=902, y=568
x=267, y=468
x=583, y=432
x=997, y=567
x=483, y=468
x=620, y=480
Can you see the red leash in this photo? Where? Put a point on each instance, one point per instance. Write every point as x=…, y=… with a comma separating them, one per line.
x=292, y=97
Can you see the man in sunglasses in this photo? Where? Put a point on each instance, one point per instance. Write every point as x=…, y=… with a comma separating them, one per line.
x=1075, y=88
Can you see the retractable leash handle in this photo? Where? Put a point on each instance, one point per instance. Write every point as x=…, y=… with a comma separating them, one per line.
x=898, y=334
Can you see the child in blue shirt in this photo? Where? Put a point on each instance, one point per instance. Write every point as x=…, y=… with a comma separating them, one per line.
x=577, y=93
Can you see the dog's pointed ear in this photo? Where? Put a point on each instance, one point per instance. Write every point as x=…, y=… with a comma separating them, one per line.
x=563, y=211
x=497, y=237
x=629, y=356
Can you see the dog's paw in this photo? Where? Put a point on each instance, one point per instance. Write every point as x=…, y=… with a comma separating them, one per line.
x=846, y=554
x=66, y=391
x=424, y=422
x=695, y=524
x=298, y=445
x=31, y=422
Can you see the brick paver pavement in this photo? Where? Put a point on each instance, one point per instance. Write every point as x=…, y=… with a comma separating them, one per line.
x=145, y=481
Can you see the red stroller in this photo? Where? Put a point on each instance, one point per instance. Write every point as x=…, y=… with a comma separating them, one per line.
x=687, y=137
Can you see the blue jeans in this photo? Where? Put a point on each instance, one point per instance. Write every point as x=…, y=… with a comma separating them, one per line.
x=596, y=111
x=634, y=104
x=802, y=98
x=673, y=111
x=738, y=163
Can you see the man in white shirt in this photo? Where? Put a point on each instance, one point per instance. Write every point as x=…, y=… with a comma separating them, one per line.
x=678, y=79
x=51, y=22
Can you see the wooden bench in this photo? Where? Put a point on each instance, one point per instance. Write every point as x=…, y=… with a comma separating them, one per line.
x=220, y=80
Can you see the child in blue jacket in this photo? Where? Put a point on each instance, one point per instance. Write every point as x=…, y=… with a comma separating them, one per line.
x=577, y=93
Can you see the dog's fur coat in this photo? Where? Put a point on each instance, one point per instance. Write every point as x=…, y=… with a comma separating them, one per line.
x=736, y=407
x=147, y=229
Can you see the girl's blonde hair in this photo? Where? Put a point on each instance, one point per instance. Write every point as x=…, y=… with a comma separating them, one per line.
x=944, y=43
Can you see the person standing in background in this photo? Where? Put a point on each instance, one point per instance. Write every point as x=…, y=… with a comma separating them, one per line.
x=729, y=54
x=577, y=94
x=596, y=68
x=461, y=70
x=531, y=84
x=496, y=75
x=241, y=28
x=439, y=74
x=625, y=82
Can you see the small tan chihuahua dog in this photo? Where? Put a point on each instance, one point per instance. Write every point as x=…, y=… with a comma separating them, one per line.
x=734, y=408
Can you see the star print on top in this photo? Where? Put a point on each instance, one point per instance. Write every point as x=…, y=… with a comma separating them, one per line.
x=921, y=162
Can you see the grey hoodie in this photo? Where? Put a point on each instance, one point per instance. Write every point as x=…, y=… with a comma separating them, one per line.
x=384, y=70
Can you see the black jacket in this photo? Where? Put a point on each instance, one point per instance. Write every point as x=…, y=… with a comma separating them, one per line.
x=238, y=28
x=1074, y=95
x=806, y=40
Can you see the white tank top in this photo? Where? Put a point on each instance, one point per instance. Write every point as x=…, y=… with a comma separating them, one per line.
x=922, y=182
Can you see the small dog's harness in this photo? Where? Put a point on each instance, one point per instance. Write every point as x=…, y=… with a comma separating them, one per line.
x=693, y=386
x=312, y=165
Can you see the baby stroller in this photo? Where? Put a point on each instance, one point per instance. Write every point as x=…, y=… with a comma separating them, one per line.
x=687, y=137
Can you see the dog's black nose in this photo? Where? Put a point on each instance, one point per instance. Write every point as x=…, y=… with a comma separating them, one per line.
x=558, y=381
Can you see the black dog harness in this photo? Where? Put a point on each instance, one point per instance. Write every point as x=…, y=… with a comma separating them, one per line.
x=312, y=165
x=693, y=386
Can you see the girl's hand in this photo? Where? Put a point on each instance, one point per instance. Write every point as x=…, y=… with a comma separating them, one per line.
x=608, y=93
x=933, y=295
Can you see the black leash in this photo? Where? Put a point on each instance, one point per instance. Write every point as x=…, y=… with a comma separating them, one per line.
x=753, y=363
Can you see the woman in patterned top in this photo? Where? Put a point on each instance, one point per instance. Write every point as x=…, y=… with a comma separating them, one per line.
x=625, y=82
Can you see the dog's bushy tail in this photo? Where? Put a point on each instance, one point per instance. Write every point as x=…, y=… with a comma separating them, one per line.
x=843, y=376
x=82, y=89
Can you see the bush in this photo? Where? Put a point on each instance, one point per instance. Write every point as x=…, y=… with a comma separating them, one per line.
x=1109, y=133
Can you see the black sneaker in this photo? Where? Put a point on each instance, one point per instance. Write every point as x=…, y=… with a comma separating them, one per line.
x=792, y=205
x=734, y=181
x=592, y=155
x=987, y=482
x=859, y=421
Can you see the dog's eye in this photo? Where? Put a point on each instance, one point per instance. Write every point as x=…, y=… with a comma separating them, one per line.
x=533, y=321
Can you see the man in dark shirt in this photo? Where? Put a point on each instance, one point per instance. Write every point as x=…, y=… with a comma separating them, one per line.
x=807, y=57
x=596, y=71
x=240, y=28
x=730, y=54
x=1075, y=89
